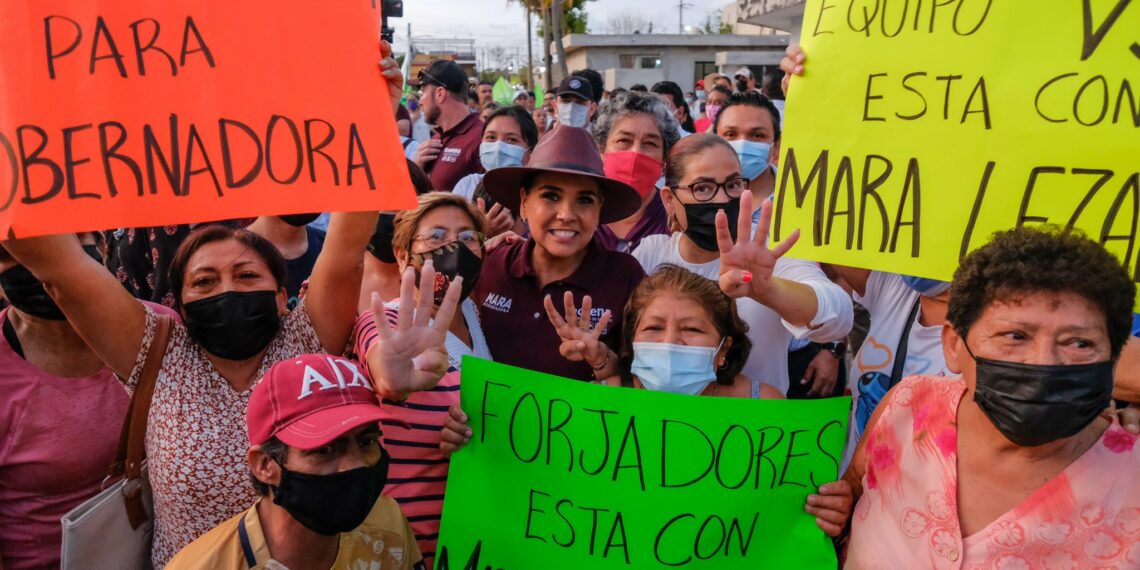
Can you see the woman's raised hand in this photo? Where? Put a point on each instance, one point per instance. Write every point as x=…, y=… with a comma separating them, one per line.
x=412, y=357
x=746, y=267
x=580, y=341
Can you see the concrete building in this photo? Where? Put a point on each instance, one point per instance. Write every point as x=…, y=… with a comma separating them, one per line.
x=460, y=51
x=785, y=15
x=628, y=59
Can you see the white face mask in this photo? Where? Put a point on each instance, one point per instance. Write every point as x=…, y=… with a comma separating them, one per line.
x=676, y=368
x=573, y=114
x=499, y=154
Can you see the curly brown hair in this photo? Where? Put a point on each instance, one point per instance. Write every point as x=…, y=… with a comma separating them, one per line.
x=1044, y=259
x=706, y=292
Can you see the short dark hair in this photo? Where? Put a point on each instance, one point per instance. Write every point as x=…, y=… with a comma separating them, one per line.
x=420, y=180
x=687, y=148
x=595, y=80
x=674, y=92
x=277, y=451
x=1024, y=261
x=707, y=293
x=751, y=99
x=639, y=87
x=771, y=85
x=485, y=82
x=722, y=89
x=216, y=232
x=472, y=95
x=522, y=117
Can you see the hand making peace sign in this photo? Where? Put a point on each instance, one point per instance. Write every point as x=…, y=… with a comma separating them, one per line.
x=579, y=341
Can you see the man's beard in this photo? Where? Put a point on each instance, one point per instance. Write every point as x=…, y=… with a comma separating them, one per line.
x=431, y=114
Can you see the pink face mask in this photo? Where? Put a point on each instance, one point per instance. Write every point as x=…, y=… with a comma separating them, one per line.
x=711, y=111
x=638, y=170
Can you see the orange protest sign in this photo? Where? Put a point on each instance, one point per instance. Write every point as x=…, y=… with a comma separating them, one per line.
x=127, y=113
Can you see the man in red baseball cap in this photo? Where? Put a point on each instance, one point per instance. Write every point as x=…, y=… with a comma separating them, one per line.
x=315, y=454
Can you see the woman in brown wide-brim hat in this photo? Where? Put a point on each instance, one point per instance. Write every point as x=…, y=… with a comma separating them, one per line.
x=529, y=292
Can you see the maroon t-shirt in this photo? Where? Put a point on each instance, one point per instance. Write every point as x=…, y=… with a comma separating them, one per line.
x=459, y=155
x=654, y=220
x=514, y=320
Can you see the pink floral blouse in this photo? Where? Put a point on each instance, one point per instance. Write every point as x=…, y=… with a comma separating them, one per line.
x=1086, y=517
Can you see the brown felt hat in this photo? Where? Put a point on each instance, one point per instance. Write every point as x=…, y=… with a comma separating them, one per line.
x=568, y=150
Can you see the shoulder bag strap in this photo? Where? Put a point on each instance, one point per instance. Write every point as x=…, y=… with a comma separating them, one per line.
x=132, y=440
x=900, y=353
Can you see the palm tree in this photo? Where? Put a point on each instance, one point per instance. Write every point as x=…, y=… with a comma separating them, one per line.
x=551, y=12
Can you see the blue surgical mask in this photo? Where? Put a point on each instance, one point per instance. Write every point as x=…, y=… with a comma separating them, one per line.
x=700, y=94
x=499, y=154
x=573, y=114
x=926, y=287
x=676, y=368
x=753, y=157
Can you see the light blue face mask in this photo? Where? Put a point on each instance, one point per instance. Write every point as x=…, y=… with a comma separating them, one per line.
x=499, y=154
x=926, y=287
x=675, y=368
x=753, y=157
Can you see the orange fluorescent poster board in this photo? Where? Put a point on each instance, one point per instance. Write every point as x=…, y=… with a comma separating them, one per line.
x=128, y=113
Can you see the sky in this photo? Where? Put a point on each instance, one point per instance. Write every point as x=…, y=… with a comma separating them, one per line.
x=495, y=23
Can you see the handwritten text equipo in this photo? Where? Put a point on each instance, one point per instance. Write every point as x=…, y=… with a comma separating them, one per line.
x=37, y=166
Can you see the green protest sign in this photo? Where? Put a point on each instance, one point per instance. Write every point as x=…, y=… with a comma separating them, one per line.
x=503, y=93
x=566, y=474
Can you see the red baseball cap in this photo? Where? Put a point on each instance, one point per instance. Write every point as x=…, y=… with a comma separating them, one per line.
x=310, y=400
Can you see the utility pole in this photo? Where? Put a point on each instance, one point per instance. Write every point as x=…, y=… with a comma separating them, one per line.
x=681, y=5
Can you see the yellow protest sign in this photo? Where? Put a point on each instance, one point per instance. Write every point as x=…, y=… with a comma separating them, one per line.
x=920, y=128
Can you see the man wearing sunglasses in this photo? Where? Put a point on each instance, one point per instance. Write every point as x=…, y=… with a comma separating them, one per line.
x=453, y=151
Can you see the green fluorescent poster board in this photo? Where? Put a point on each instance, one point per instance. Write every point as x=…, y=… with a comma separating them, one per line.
x=567, y=474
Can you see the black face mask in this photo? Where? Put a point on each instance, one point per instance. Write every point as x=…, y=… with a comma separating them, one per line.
x=299, y=220
x=451, y=260
x=234, y=325
x=331, y=504
x=741, y=85
x=702, y=222
x=380, y=246
x=1035, y=404
x=27, y=294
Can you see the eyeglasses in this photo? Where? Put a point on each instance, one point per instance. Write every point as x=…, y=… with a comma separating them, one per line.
x=439, y=237
x=705, y=191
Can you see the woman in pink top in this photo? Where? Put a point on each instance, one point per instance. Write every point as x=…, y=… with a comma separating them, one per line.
x=445, y=231
x=60, y=417
x=1014, y=465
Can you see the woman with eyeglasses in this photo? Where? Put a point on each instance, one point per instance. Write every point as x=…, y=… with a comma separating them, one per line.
x=779, y=298
x=444, y=233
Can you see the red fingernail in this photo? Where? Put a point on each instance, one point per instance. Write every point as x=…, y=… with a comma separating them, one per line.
x=747, y=277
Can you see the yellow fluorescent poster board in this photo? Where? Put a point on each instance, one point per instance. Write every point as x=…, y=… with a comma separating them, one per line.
x=922, y=127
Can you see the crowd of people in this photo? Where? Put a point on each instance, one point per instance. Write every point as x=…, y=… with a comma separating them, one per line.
x=307, y=401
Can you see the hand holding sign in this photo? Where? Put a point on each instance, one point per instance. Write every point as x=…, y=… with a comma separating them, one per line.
x=746, y=267
x=832, y=506
x=455, y=433
x=580, y=341
x=391, y=72
x=791, y=64
x=412, y=357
